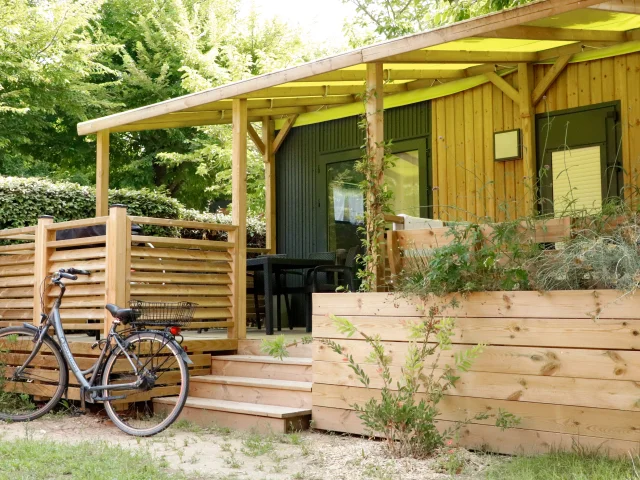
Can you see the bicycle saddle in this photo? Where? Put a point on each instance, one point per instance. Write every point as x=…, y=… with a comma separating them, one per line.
x=125, y=315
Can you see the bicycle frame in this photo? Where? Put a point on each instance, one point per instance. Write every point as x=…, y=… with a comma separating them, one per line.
x=54, y=320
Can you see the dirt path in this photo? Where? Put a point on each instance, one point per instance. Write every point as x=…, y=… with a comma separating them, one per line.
x=226, y=455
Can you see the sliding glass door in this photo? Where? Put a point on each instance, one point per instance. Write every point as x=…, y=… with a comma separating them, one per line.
x=341, y=200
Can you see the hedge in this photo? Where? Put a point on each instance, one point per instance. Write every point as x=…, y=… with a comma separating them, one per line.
x=23, y=200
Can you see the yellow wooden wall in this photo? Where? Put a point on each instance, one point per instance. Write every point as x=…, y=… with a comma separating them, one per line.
x=469, y=185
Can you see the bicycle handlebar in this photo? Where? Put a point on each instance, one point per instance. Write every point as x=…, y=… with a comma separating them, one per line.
x=76, y=271
x=72, y=273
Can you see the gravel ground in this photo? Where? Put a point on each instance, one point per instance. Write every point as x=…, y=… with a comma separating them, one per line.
x=227, y=455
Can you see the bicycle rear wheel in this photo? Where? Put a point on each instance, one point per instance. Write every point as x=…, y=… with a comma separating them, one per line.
x=38, y=389
x=160, y=365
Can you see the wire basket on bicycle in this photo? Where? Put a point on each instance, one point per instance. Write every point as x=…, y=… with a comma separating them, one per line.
x=162, y=314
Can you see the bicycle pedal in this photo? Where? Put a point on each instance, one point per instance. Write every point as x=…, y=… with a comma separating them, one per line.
x=108, y=399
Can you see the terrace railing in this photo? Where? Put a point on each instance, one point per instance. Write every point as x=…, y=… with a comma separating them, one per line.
x=402, y=243
x=154, y=266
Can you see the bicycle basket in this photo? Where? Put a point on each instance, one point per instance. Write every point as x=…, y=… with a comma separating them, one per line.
x=162, y=314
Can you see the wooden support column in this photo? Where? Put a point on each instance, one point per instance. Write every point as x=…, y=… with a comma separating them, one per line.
x=239, y=215
x=102, y=174
x=269, y=157
x=528, y=118
x=118, y=269
x=41, y=264
x=374, y=111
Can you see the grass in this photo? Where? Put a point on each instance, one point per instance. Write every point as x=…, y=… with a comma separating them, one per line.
x=42, y=459
x=565, y=466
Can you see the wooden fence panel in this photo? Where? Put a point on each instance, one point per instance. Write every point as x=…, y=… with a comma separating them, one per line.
x=568, y=375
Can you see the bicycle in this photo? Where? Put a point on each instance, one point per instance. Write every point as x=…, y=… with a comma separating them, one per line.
x=132, y=362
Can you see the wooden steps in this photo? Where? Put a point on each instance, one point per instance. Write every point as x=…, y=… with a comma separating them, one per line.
x=264, y=391
x=256, y=366
x=250, y=392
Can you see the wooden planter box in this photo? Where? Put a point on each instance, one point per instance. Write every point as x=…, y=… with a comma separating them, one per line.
x=567, y=363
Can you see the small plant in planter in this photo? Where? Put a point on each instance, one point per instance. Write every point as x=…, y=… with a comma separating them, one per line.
x=406, y=412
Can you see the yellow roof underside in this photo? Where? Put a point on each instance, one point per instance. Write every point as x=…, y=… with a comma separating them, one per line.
x=581, y=19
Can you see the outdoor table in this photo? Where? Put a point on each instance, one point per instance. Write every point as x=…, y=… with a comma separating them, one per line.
x=274, y=265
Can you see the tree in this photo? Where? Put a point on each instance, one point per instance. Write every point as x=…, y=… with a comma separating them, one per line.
x=384, y=19
x=48, y=67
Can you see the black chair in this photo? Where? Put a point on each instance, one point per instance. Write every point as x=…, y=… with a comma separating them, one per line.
x=329, y=278
x=304, y=276
x=279, y=289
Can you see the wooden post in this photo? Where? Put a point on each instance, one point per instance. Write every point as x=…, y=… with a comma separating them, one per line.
x=102, y=174
x=239, y=218
x=41, y=264
x=118, y=266
x=528, y=118
x=269, y=182
x=375, y=148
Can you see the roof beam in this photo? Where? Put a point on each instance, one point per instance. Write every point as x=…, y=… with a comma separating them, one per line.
x=319, y=91
x=489, y=67
x=139, y=127
x=560, y=34
x=388, y=75
x=549, y=78
x=569, y=50
x=446, y=56
x=619, y=6
x=503, y=85
x=277, y=103
x=221, y=115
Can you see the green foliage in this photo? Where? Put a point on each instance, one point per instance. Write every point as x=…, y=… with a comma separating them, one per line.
x=278, y=347
x=406, y=412
x=41, y=458
x=477, y=259
x=587, y=465
x=602, y=254
x=51, y=77
x=63, y=61
x=377, y=196
x=378, y=20
x=23, y=200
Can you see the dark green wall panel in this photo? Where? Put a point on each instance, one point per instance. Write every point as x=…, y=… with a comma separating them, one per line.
x=297, y=169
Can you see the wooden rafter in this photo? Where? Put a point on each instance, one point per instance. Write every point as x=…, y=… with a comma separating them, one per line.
x=277, y=143
x=446, y=56
x=503, y=85
x=316, y=91
x=488, y=67
x=549, y=78
x=389, y=75
x=553, y=53
x=561, y=34
x=272, y=103
x=257, y=141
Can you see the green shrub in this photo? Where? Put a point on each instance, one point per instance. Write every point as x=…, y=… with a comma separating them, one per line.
x=474, y=261
x=256, y=228
x=406, y=412
x=23, y=200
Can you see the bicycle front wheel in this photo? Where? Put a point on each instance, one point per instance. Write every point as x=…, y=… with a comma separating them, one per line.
x=156, y=361
x=39, y=387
